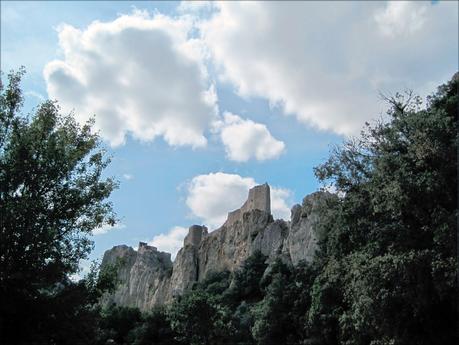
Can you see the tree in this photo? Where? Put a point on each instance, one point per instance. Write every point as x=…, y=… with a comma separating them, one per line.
x=218, y=309
x=198, y=318
x=155, y=329
x=246, y=281
x=117, y=323
x=281, y=316
x=389, y=264
x=272, y=324
x=52, y=195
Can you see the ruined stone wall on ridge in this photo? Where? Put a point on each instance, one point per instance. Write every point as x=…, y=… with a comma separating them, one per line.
x=259, y=199
x=195, y=234
x=145, y=248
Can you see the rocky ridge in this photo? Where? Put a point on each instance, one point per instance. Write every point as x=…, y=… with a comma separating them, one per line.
x=147, y=277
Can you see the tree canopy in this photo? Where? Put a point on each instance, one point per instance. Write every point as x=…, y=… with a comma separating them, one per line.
x=389, y=261
x=52, y=195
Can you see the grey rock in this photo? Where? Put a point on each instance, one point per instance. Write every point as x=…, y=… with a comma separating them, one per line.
x=259, y=199
x=270, y=241
x=148, y=277
x=143, y=276
x=185, y=271
x=227, y=247
x=301, y=243
x=195, y=234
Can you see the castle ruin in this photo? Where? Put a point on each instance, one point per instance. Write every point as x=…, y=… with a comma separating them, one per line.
x=259, y=199
x=195, y=234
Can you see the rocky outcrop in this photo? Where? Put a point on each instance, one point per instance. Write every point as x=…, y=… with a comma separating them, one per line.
x=186, y=264
x=227, y=247
x=143, y=276
x=148, y=277
x=301, y=242
x=259, y=199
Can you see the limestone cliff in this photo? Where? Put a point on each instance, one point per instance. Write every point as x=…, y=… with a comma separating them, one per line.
x=143, y=275
x=147, y=277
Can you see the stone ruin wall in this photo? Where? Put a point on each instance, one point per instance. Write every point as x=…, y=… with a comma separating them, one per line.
x=163, y=256
x=196, y=233
x=259, y=199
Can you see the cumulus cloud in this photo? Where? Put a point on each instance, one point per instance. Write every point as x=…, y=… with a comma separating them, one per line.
x=107, y=228
x=245, y=139
x=211, y=196
x=279, y=203
x=326, y=63
x=170, y=242
x=401, y=17
x=138, y=74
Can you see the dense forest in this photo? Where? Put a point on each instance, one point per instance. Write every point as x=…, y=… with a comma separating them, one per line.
x=385, y=273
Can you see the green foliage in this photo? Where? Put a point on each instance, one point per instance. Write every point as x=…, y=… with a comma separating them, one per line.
x=155, y=328
x=218, y=310
x=271, y=314
x=198, y=319
x=389, y=266
x=280, y=317
x=216, y=283
x=52, y=195
x=257, y=304
x=117, y=323
x=101, y=280
x=246, y=282
x=128, y=326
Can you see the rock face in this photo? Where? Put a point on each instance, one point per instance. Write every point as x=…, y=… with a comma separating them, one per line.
x=148, y=277
x=259, y=199
x=228, y=246
x=301, y=242
x=144, y=276
x=186, y=264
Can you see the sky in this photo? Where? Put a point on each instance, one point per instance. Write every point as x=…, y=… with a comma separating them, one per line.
x=197, y=102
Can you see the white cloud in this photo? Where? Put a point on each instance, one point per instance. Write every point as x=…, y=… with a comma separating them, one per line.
x=170, y=242
x=138, y=74
x=245, y=139
x=83, y=270
x=325, y=63
x=106, y=228
x=210, y=197
x=401, y=17
x=194, y=6
x=128, y=177
x=279, y=203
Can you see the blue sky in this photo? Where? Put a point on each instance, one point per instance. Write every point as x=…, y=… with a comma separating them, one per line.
x=197, y=102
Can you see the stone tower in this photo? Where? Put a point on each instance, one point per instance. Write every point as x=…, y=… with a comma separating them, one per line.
x=195, y=235
x=259, y=199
